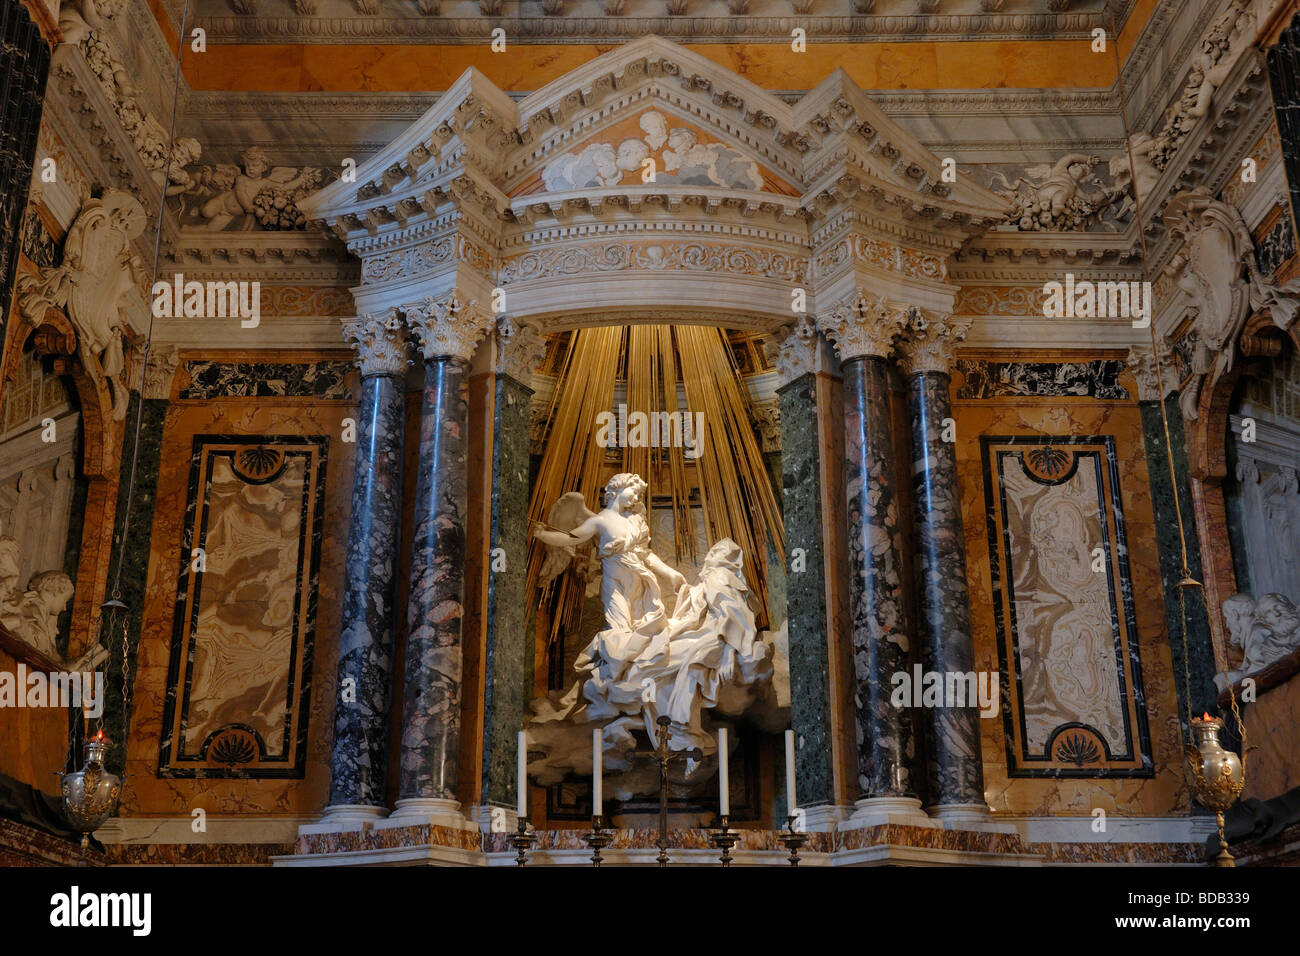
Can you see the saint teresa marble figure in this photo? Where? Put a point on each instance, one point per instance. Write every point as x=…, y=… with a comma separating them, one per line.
x=666, y=651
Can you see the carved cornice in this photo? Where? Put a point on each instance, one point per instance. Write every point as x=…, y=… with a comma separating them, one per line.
x=863, y=325
x=447, y=325
x=380, y=343
x=931, y=341
x=520, y=349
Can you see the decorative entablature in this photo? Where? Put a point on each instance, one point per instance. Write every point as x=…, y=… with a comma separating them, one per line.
x=649, y=162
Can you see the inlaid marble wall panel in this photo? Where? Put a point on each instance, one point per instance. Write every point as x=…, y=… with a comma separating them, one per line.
x=241, y=658
x=265, y=531
x=1064, y=608
x=1105, y=476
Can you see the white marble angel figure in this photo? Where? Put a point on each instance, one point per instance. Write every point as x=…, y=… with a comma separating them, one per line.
x=655, y=655
x=635, y=613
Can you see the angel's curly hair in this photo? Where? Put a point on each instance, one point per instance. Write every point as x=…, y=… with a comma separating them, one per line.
x=622, y=481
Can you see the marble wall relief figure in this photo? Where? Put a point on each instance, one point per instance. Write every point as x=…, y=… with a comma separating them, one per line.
x=1066, y=632
x=94, y=284
x=1266, y=631
x=668, y=646
x=32, y=614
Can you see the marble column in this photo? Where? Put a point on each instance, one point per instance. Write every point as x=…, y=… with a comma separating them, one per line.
x=955, y=771
x=1199, y=662
x=519, y=350
x=132, y=530
x=448, y=330
x=797, y=354
x=864, y=329
x=359, y=756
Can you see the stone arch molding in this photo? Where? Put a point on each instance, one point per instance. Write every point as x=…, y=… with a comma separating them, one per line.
x=541, y=208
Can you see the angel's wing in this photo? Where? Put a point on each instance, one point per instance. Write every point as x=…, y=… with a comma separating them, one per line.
x=566, y=514
x=282, y=174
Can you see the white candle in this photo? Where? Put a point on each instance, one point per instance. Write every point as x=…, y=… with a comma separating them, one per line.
x=597, y=790
x=523, y=776
x=789, y=773
x=724, y=783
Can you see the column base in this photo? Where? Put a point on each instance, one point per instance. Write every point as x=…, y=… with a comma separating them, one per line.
x=877, y=811
x=345, y=816
x=494, y=818
x=825, y=817
x=969, y=816
x=417, y=811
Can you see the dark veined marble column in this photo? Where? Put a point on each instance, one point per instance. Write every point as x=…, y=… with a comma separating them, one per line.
x=448, y=330
x=359, y=756
x=809, y=626
x=864, y=329
x=509, y=644
x=956, y=775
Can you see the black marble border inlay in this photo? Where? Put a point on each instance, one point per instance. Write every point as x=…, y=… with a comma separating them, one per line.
x=1130, y=685
x=1097, y=379
x=324, y=379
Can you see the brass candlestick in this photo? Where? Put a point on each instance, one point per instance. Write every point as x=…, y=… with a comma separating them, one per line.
x=792, y=840
x=597, y=839
x=724, y=840
x=522, y=841
x=1215, y=776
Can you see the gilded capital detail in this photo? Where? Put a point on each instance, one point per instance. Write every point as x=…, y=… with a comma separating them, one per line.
x=380, y=343
x=519, y=349
x=447, y=325
x=863, y=325
x=931, y=340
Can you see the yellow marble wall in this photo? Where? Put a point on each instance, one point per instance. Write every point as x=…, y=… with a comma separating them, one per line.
x=1271, y=722
x=1164, y=793
x=146, y=794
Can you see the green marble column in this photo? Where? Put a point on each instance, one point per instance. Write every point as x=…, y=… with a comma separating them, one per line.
x=1195, y=670
x=128, y=567
x=507, y=661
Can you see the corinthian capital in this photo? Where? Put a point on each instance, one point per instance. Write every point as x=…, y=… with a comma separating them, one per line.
x=1141, y=361
x=863, y=325
x=793, y=348
x=931, y=341
x=380, y=342
x=519, y=349
x=447, y=324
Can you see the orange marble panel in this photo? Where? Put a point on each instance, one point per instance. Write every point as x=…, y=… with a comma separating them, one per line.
x=145, y=793
x=1274, y=768
x=33, y=740
x=1164, y=793
x=967, y=64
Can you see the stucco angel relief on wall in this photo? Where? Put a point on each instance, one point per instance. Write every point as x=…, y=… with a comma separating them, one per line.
x=674, y=155
x=668, y=647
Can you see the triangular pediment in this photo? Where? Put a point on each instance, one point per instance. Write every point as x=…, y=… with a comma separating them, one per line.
x=587, y=140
